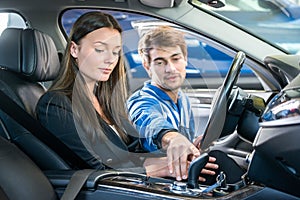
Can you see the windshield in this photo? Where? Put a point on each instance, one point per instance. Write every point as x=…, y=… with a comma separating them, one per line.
x=276, y=21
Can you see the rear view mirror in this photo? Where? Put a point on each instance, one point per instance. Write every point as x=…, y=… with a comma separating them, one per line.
x=213, y=3
x=161, y=3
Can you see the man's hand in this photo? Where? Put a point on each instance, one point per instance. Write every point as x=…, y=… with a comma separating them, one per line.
x=158, y=167
x=209, y=168
x=197, y=141
x=179, y=149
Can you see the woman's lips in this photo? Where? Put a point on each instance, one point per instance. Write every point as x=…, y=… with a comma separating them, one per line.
x=105, y=70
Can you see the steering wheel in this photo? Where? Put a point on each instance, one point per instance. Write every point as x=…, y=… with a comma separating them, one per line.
x=219, y=110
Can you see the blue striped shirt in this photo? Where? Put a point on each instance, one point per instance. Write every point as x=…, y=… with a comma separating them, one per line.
x=152, y=112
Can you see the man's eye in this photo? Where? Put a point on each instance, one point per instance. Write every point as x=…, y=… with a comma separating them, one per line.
x=176, y=59
x=159, y=63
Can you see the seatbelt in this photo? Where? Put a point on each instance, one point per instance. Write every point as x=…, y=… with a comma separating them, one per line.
x=16, y=112
x=76, y=182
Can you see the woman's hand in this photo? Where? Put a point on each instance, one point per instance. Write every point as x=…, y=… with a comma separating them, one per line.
x=157, y=167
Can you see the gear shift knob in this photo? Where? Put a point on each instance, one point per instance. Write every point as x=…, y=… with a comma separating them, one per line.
x=194, y=170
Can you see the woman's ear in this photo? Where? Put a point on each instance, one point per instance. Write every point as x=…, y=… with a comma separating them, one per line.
x=73, y=49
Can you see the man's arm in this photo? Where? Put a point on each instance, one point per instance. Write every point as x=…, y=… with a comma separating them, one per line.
x=150, y=120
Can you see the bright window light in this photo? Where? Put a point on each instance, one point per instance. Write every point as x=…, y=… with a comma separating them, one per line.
x=3, y=21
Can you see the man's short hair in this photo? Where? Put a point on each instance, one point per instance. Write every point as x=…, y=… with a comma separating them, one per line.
x=160, y=37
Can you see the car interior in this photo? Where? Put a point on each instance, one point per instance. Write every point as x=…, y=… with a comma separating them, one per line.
x=30, y=57
x=37, y=61
x=44, y=168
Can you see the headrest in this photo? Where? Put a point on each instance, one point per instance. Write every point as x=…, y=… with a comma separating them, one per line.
x=29, y=53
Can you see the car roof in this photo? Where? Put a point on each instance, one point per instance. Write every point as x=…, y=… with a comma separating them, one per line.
x=39, y=12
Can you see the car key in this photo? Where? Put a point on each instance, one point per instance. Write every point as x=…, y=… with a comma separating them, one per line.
x=220, y=179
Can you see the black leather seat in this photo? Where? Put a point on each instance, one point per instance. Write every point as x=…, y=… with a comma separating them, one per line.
x=20, y=178
x=28, y=58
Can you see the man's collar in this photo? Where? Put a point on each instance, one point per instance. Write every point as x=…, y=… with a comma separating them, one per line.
x=161, y=92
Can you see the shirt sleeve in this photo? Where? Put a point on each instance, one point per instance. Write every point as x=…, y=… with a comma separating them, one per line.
x=150, y=119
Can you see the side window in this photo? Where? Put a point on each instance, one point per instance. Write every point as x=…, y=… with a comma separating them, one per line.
x=10, y=19
x=208, y=61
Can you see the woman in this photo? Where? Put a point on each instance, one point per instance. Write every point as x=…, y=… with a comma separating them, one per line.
x=85, y=106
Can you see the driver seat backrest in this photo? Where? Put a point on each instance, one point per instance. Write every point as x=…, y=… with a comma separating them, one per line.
x=28, y=57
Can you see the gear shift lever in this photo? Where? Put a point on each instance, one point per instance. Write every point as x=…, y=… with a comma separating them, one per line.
x=194, y=170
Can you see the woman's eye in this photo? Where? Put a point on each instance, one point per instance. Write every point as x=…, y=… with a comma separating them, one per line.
x=116, y=53
x=99, y=50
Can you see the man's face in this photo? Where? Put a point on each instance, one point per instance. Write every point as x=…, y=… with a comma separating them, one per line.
x=167, y=67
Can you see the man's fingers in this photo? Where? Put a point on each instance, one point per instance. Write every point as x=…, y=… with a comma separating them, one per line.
x=211, y=159
x=179, y=150
x=177, y=165
x=201, y=179
x=178, y=171
x=211, y=166
x=207, y=171
x=170, y=161
x=183, y=165
x=197, y=141
x=195, y=151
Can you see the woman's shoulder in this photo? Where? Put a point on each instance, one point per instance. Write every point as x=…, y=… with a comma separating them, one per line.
x=54, y=98
x=52, y=102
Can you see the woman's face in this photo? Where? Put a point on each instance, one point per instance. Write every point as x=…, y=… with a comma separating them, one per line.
x=97, y=54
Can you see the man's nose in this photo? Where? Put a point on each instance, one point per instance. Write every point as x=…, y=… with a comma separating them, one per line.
x=170, y=67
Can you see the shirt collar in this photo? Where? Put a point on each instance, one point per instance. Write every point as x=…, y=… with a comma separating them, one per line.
x=160, y=92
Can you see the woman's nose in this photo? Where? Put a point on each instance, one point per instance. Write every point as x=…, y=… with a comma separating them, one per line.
x=110, y=57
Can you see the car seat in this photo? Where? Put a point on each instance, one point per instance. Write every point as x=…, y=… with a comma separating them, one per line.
x=28, y=57
x=20, y=178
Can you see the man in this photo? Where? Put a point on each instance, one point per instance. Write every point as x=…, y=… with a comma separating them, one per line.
x=160, y=111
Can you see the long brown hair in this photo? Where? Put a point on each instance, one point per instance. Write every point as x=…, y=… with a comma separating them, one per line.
x=111, y=94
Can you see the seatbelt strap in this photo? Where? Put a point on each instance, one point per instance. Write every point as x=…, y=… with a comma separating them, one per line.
x=76, y=182
x=16, y=112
